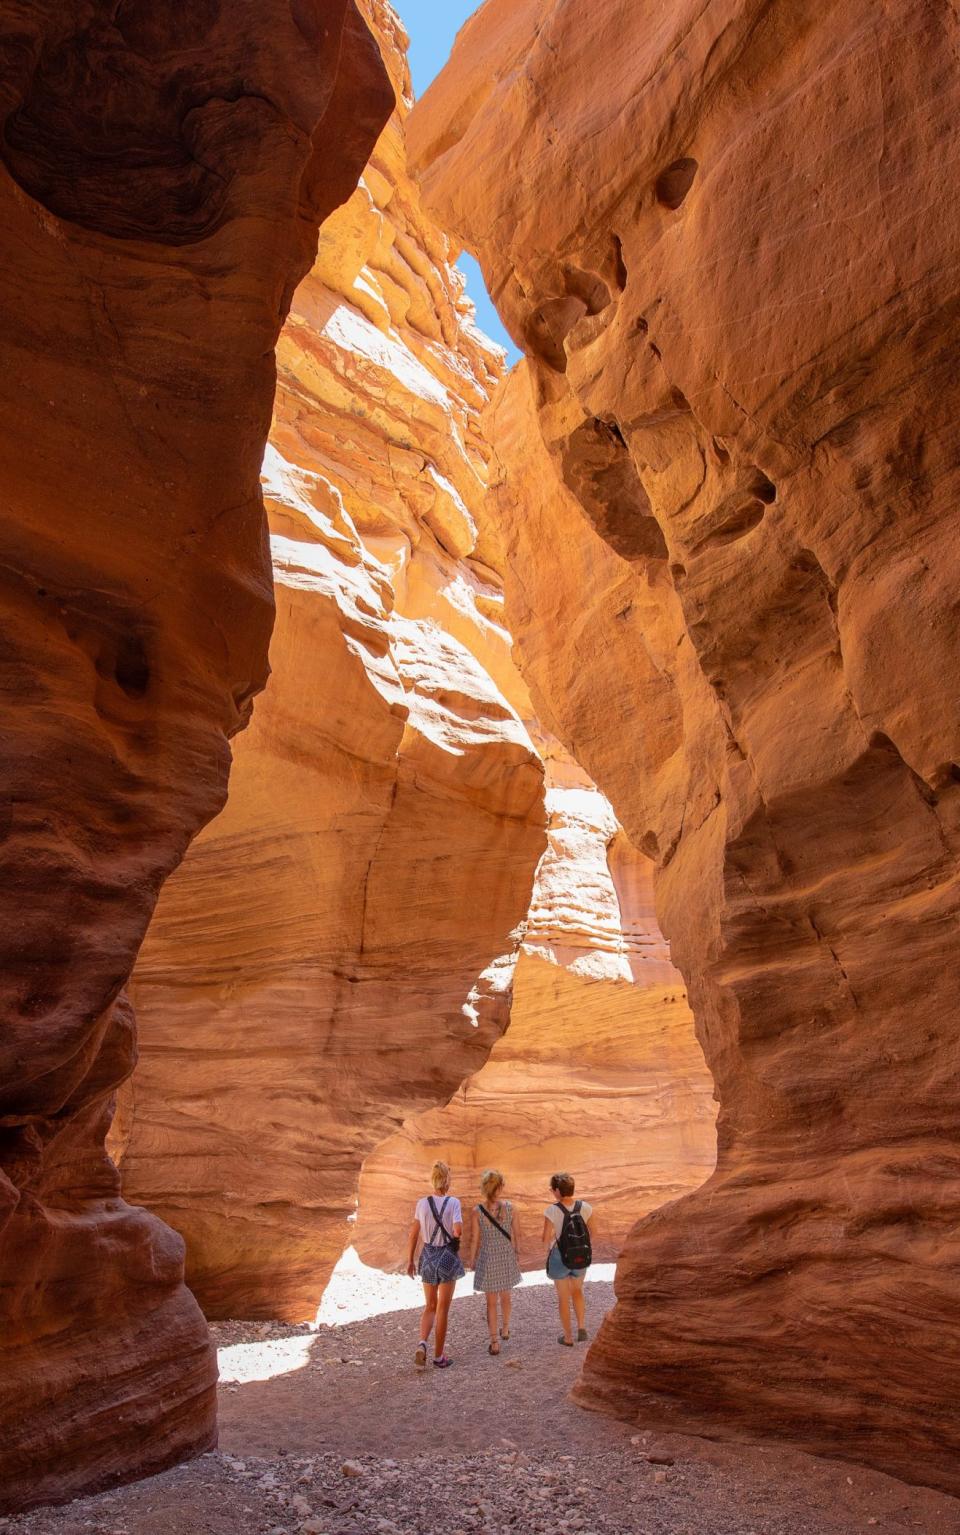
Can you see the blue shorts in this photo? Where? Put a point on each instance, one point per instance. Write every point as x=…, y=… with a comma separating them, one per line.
x=557, y=1269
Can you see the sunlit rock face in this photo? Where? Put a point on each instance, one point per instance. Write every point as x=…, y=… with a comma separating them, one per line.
x=736, y=605
x=164, y=169
x=599, y=1072
x=337, y=950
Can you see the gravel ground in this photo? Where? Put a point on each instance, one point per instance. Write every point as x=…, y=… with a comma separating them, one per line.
x=332, y=1432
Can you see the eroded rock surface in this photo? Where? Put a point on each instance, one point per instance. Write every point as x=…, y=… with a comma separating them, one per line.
x=716, y=231
x=599, y=1072
x=337, y=950
x=164, y=169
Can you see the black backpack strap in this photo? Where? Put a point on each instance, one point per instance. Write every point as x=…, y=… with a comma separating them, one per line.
x=502, y=1230
x=438, y=1217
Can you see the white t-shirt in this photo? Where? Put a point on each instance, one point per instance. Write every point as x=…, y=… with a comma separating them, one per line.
x=555, y=1216
x=451, y=1214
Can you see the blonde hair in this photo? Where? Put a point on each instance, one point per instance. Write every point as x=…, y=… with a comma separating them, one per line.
x=440, y=1177
x=562, y=1184
x=492, y=1182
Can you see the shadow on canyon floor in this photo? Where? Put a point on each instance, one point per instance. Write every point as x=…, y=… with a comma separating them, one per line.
x=330, y=1431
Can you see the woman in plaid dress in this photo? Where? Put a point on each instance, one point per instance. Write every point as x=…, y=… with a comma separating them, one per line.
x=495, y=1234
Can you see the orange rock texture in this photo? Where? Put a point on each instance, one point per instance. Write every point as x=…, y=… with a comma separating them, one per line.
x=336, y=951
x=599, y=1071
x=164, y=170
x=716, y=231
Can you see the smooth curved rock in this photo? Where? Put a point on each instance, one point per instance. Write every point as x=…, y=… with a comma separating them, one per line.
x=336, y=951
x=711, y=228
x=599, y=1071
x=164, y=171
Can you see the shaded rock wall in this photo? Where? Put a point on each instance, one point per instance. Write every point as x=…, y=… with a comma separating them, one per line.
x=163, y=175
x=336, y=951
x=711, y=228
x=599, y=1071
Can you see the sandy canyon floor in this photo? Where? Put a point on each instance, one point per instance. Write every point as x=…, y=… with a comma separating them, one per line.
x=331, y=1431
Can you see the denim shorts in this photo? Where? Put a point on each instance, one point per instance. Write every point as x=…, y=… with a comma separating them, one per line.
x=557, y=1269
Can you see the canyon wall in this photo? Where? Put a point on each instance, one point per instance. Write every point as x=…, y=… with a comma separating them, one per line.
x=163, y=174
x=336, y=951
x=599, y=1072
x=728, y=509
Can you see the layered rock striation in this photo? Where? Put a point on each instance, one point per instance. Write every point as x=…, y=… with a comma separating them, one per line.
x=730, y=475
x=599, y=1072
x=164, y=170
x=336, y=952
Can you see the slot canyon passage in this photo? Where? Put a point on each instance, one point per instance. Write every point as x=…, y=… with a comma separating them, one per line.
x=602, y=808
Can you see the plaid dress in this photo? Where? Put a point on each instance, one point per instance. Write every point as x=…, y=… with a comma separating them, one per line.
x=497, y=1266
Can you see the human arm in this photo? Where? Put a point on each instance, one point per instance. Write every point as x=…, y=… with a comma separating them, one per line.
x=473, y=1240
x=515, y=1231
x=549, y=1234
x=412, y=1236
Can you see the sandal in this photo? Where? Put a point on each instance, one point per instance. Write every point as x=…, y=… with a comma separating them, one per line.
x=505, y=1335
x=443, y=1363
x=581, y=1335
x=567, y=1342
x=420, y=1357
x=494, y=1347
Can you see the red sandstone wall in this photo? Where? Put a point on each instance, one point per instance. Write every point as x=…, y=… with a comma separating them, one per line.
x=163, y=175
x=718, y=232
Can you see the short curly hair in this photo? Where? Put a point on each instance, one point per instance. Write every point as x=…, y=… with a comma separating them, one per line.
x=562, y=1184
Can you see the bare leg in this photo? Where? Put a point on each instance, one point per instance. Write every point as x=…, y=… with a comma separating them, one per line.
x=564, y=1287
x=579, y=1304
x=492, y=1320
x=444, y=1298
x=506, y=1307
x=429, y=1311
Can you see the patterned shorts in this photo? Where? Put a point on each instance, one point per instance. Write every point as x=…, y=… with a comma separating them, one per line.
x=440, y=1265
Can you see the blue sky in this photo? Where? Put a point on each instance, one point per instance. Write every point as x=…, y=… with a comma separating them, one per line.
x=433, y=25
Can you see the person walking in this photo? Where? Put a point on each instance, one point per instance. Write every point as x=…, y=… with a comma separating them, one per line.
x=495, y=1234
x=566, y=1234
x=438, y=1225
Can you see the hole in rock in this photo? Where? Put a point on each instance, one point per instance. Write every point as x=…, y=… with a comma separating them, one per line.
x=599, y=469
x=550, y=324
x=619, y=264
x=762, y=488
x=132, y=669
x=675, y=182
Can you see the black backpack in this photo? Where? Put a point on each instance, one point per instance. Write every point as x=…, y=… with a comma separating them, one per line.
x=574, y=1239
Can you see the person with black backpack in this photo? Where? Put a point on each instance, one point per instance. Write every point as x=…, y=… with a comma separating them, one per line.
x=438, y=1225
x=566, y=1232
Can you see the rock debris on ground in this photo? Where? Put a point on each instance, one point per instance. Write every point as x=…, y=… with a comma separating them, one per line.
x=351, y=1440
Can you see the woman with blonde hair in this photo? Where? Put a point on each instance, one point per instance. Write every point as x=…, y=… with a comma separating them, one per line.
x=495, y=1232
x=438, y=1224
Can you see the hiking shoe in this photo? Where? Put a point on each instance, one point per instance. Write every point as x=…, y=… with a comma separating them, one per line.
x=443, y=1363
